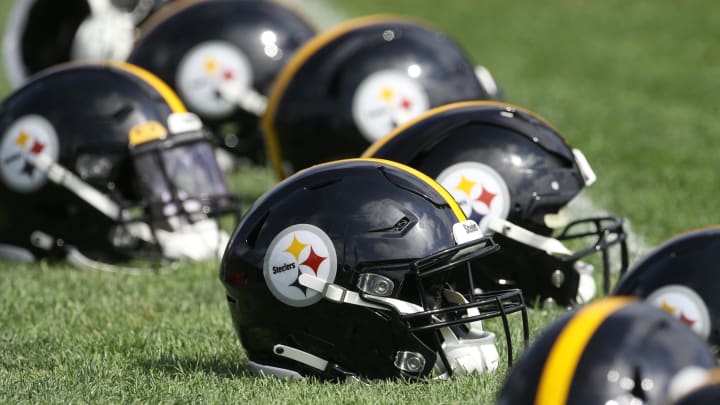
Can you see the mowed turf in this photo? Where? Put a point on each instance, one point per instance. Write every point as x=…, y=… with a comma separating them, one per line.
x=632, y=84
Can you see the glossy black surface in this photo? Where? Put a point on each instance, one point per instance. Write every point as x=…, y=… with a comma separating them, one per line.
x=314, y=123
x=688, y=260
x=92, y=108
x=240, y=23
x=358, y=204
x=636, y=343
x=541, y=174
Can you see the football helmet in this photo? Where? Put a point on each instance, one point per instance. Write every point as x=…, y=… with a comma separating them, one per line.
x=354, y=83
x=221, y=57
x=43, y=33
x=100, y=163
x=613, y=351
x=324, y=281
x=512, y=172
x=679, y=277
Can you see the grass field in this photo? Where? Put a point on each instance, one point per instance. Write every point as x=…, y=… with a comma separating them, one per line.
x=634, y=84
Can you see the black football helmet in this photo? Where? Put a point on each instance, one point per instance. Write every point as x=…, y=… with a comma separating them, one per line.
x=325, y=281
x=102, y=163
x=353, y=84
x=43, y=33
x=679, y=277
x=512, y=172
x=221, y=57
x=614, y=351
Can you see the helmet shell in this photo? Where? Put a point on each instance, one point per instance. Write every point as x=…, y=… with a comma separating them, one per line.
x=354, y=83
x=678, y=276
x=616, y=349
x=198, y=46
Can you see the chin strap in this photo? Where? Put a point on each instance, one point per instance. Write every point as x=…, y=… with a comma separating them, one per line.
x=487, y=81
x=689, y=379
x=195, y=242
x=476, y=352
x=79, y=260
x=341, y=295
x=498, y=225
x=65, y=178
x=551, y=246
x=246, y=98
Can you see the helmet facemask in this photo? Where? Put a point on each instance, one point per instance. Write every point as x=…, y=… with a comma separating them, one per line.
x=180, y=190
x=433, y=312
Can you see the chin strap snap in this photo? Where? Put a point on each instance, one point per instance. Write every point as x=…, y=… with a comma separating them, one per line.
x=341, y=295
x=498, y=225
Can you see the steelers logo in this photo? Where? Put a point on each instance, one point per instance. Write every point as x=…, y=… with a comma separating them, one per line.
x=478, y=189
x=685, y=305
x=207, y=67
x=386, y=99
x=299, y=249
x=26, y=138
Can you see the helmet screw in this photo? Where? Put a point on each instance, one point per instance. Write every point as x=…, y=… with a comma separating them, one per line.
x=557, y=278
x=414, y=364
x=410, y=362
x=381, y=287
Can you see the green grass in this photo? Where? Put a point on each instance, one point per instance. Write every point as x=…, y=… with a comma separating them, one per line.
x=634, y=84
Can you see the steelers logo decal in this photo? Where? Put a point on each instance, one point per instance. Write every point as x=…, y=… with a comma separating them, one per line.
x=386, y=99
x=26, y=139
x=296, y=250
x=684, y=304
x=205, y=69
x=478, y=189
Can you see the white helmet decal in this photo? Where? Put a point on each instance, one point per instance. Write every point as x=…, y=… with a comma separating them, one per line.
x=685, y=305
x=27, y=137
x=299, y=249
x=204, y=69
x=478, y=189
x=386, y=99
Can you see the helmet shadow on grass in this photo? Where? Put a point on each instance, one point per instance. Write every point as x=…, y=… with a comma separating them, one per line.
x=174, y=365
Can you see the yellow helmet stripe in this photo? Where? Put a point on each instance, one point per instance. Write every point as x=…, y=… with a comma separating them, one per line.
x=370, y=151
x=293, y=65
x=167, y=93
x=560, y=366
x=422, y=176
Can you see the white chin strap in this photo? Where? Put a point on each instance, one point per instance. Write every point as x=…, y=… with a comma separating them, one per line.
x=475, y=352
x=246, y=98
x=586, y=285
x=487, y=80
x=551, y=246
x=500, y=226
x=685, y=381
x=107, y=33
x=197, y=241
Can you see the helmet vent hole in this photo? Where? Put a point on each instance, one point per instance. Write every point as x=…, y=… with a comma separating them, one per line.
x=401, y=224
x=253, y=235
x=640, y=385
x=122, y=113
